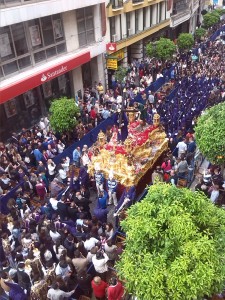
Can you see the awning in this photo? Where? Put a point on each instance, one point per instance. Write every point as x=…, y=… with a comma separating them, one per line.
x=32, y=78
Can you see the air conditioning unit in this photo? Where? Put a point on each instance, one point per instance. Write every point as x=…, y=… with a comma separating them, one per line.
x=130, y=31
x=114, y=38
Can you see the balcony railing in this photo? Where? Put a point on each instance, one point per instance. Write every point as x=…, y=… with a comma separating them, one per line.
x=137, y=1
x=117, y=4
x=11, y=3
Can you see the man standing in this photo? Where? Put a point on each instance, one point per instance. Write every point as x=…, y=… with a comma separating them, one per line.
x=112, y=186
x=115, y=289
x=99, y=179
x=151, y=98
x=182, y=148
x=76, y=157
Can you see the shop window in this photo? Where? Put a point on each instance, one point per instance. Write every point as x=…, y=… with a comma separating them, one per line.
x=24, y=62
x=29, y=43
x=85, y=25
x=47, y=30
x=10, y=68
x=6, y=49
x=19, y=39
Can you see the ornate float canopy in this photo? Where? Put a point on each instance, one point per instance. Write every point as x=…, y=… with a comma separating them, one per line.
x=130, y=160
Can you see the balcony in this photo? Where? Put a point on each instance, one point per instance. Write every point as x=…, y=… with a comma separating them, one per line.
x=195, y=5
x=117, y=4
x=136, y=2
x=179, y=17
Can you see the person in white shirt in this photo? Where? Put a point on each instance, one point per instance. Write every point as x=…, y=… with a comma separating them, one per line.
x=182, y=148
x=85, y=159
x=99, y=261
x=51, y=169
x=66, y=163
x=60, y=147
x=215, y=193
x=90, y=242
x=54, y=235
x=54, y=293
x=54, y=202
x=63, y=270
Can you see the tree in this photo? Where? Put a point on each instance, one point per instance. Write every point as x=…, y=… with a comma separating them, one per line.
x=210, y=133
x=210, y=19
x=200, y=32
x=185, y=41
x=64, y=113
x=162, y=49
x=120, y=73
x=174, y=250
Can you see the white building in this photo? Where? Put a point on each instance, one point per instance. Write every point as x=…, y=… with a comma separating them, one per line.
x=48, y=49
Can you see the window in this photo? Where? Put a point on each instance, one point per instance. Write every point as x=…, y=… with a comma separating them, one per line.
x=144, y=17
x=136, y=20
x=112, y=24
x=19, y=39
x=26, y=44
x=150, y=15
x=85, y=24
x=160, y=11
x=128, y=23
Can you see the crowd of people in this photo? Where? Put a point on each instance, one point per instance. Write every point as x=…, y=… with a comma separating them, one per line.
x=51, y=240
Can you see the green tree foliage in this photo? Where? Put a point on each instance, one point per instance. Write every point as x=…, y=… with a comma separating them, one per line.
x=162, y=49
x=64, y=113
x=120, y=73
x=200, y=32
x=174, y=246
x=185, y=41
x=210, y=133
x=210, y=19
x=221, y=11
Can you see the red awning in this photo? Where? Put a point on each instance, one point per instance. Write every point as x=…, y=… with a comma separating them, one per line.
x=34, y=79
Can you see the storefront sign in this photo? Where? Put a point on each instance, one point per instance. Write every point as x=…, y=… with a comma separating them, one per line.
x=42, y=76
x=111, y=47
x=112, y=63
x=119, y=55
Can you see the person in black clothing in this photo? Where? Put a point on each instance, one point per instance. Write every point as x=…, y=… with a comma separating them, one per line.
x=69, y=245
x=62, y=209
x=23, y=277
x=85, y=193
x=84, y=282
x=72, y=211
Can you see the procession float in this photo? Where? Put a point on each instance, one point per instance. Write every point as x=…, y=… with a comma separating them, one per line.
x=129, y=160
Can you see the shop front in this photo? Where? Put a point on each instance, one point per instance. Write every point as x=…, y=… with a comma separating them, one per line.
x=113, y=61
x=24, y=101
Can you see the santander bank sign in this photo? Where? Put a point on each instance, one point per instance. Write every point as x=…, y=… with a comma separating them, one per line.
x=53, y=74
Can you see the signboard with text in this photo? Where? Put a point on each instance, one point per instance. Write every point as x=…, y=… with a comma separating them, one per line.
x=42, y=76
x=112, y=63
x=119, y=55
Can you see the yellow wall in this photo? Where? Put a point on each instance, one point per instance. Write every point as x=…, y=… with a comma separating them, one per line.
x=143, y=34
x=129, y=6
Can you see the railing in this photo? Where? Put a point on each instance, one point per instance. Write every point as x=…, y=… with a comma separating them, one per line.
x=137, y=1
x=117, y=4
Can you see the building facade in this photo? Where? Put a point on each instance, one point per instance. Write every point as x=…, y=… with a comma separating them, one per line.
x=134, y=23
x=55, y=48
x=48, y=49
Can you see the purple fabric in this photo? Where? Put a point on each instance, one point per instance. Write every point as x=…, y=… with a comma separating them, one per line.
x=16, y=292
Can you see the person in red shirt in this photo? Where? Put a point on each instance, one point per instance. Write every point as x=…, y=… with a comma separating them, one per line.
x=93, y=113
x=115, y=289
x=99, y=288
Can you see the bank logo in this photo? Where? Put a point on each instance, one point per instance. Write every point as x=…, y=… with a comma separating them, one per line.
x=43, y=77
